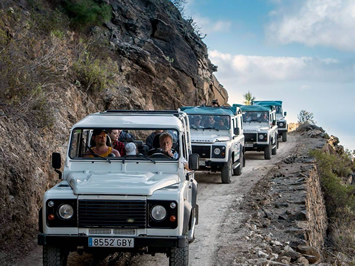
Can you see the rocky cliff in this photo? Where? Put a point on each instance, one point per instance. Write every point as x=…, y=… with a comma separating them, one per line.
x=157, y=62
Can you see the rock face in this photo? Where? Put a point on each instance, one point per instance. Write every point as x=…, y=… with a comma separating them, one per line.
x=161, y=64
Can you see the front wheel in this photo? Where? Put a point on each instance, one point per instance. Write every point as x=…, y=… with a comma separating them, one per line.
x=53, y=256
x=284, y=136
x=226, y=172
x=267, y=152
x=179, y=256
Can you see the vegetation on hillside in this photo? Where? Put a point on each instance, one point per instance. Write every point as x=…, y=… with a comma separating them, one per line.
x=335, y=171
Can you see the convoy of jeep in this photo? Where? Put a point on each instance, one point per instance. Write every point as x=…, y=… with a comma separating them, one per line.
x=260, y=129
x=280, y=117
x=144, y=203
x=217, y=136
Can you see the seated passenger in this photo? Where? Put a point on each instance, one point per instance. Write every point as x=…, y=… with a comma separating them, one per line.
x=220, y=124
x=196, y=122
x=210, y=122
x=166, y=144
x=116, y=144
x=131, y=149
x=150, y=138
x=100, y=149
x=264, y=118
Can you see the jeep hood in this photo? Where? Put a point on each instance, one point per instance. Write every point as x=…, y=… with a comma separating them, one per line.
x=119, y=183
x=209, y=138
x=254, y=127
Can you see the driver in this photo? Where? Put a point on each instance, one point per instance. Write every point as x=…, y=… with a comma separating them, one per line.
x=166, y=144
x=99, y=136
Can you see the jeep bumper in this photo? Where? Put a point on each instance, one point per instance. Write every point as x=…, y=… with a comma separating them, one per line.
x=255, y=146
x=71, y=242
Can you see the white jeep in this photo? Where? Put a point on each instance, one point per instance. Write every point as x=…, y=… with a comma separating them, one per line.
x=217, y=136
x=280, y=117
x=140, y=203
x=260, y=129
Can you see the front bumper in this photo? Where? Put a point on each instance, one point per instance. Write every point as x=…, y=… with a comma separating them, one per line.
x=71, y=242
x=255, y=146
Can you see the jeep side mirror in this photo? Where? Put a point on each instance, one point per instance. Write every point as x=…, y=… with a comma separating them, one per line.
x=57, y=163
x=236, y=131
x=194, y=161
x=285, y=113
x=273, y=122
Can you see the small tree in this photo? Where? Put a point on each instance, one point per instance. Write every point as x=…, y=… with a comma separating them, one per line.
x=248, y=98
x=304, y=116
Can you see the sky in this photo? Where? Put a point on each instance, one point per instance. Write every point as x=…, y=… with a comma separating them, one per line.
x=301, y=52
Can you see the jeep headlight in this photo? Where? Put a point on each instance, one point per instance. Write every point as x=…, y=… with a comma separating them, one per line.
x=65, y=211
x=217, y=151
x=158, y=213
x=281, y=124
x=261, y=136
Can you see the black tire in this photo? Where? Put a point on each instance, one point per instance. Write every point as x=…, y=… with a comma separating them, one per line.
x=53, y=256
x=239, y=169
x=267, y=152
x=284, y=136
x=179, y=256
x=274, y=150
x=226, y=173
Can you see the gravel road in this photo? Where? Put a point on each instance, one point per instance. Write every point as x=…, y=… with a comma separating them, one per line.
x=215, y=201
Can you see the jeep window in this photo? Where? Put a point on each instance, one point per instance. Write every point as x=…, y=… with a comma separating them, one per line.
x=218, y=122
x=82, y=144
x=255, y=116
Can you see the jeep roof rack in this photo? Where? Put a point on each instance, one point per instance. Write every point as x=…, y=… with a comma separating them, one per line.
x=143, y=111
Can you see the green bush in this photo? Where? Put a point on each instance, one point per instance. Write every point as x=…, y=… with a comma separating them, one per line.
x=85, y=13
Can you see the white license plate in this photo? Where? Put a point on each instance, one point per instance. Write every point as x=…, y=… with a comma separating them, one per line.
x=107, y=242
x=249, y=145
x=202, y=163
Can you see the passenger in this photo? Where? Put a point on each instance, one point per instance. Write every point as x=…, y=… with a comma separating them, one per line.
x=125, y=136
x=210, y=122
x=220, y=124
x=116, y=144
x=264, y=118
x=150, y=138
x=131, y=149
x=166, y=144
x=196, y=122
x=101, y=149
x=215, y=103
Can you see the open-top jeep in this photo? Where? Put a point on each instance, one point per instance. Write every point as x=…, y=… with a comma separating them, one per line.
x=280, y=117
x=144, y=202
x=260, y=129
x=217, y=136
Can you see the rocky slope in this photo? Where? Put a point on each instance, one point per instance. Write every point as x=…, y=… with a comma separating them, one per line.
x=158, y=62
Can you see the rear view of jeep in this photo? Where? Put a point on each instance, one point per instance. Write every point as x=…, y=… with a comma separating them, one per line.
x=143, y=201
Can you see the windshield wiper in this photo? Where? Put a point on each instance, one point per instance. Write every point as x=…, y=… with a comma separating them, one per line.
x=140, y=156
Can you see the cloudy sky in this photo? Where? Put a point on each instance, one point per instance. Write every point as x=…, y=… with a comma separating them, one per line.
x=301, y=52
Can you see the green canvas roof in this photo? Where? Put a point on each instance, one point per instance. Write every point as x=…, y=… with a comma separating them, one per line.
x=254, y=108
x=209, y=110
x=268, y=103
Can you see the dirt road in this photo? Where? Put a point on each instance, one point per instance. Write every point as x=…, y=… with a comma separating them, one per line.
x=215, y=201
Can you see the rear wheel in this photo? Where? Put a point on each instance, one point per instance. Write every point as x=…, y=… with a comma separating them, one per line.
x=284, y=136
x=267, y=152
x=239, y=169
x=226, y=172
x=179, y=256
x=53, y=256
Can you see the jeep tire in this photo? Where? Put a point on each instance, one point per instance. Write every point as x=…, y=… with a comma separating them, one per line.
x=284, y=136
x=179, y=256
x=267, y=152
x=239, y=169
x=226, y=172
x=274, y=150
x=53, y=256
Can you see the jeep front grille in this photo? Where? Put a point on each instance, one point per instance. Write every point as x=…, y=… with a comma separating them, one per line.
x=112, y=213
x=203, y=151
x=250, y=137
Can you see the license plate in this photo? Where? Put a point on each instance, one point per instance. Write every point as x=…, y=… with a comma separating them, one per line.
x=202, y=163
x=249, y=145
x=111, y=242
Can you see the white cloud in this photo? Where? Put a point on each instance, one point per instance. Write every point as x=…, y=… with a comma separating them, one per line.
x=327, y=23
x=243, y=69
x=208, y=26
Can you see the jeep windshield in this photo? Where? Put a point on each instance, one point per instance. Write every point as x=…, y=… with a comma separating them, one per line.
x=202, y=122
x=124, y=144
x=255, y=117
